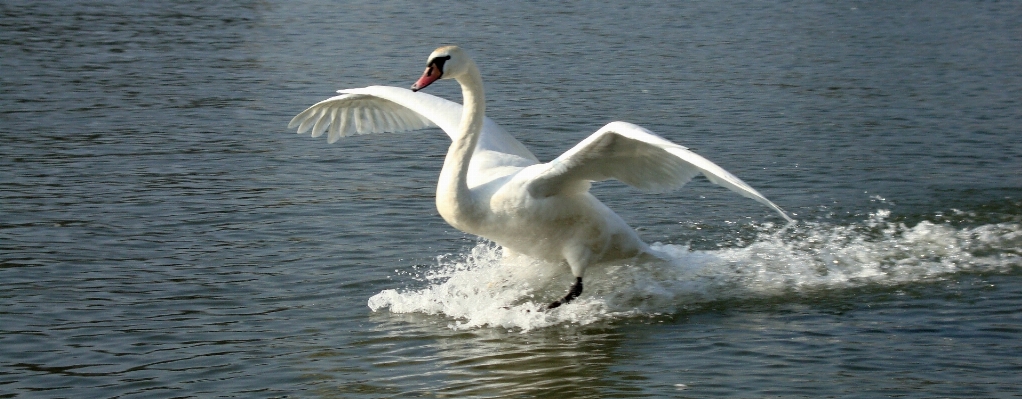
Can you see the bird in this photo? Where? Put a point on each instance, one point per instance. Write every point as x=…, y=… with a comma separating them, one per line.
x=491, y=186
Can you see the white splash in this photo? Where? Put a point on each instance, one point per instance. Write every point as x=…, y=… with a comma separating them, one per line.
x=484, y=288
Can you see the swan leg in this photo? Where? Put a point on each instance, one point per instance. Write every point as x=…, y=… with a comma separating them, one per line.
x=578, y=257
x=573, y=293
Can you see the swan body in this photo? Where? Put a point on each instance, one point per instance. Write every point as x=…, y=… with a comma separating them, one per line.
x=493, y=187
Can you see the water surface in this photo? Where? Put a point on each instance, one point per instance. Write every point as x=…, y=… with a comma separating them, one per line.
x=162, y=234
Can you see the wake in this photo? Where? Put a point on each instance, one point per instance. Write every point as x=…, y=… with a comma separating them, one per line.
x=485, y=289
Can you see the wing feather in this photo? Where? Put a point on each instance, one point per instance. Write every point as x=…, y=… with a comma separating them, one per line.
x=322, y=123
x=344, y=126
x=393, y=117
x=308, y=118
x=337, y=116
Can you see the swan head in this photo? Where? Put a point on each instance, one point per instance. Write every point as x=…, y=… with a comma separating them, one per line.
x=448, y=62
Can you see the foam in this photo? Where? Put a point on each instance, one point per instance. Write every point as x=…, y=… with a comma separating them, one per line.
x=485, y=289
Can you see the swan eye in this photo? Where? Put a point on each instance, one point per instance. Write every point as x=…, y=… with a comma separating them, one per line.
x=439, y=62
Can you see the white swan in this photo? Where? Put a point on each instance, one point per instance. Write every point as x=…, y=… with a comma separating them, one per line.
x=493, y=187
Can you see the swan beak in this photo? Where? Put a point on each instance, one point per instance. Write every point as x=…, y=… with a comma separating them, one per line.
x=431, y=74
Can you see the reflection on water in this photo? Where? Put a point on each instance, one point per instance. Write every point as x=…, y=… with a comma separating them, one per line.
x=428, y=359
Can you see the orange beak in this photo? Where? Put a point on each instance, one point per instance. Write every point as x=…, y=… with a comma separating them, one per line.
x=431, y=75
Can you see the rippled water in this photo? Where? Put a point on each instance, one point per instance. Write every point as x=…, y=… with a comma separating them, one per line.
x=162, y=234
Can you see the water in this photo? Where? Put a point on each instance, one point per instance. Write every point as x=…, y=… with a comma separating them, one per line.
x=163, y=235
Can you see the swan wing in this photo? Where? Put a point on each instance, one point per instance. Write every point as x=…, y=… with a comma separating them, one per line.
x=385, y=109
x=637, y=157
x=354, y=113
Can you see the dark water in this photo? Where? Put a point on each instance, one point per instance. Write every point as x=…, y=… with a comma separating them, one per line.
x=163, y=235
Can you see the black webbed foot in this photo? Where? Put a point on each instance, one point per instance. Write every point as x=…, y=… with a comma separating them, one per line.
x=573, y=293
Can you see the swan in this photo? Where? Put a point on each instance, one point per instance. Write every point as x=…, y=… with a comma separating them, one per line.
x=493, y=187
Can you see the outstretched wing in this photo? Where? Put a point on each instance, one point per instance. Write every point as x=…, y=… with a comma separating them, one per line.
x=637, y=157
x=351, y=114
x=385, y=109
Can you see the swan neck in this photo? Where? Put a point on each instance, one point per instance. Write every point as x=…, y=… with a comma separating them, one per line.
x=474, y=111
x=454, y=199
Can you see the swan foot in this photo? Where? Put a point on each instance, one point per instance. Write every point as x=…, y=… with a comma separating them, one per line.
x=573, y=293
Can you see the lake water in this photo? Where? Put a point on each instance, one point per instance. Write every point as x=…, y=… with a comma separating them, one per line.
x=163, y=234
